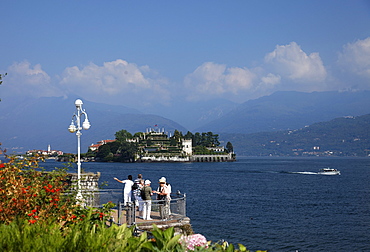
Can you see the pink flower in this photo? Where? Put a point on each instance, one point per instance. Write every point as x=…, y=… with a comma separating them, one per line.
x=193, y=241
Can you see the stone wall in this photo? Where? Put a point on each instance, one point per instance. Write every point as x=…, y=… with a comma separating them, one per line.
x=89, y=186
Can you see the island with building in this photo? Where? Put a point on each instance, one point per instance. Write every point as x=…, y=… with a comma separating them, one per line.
x=156, y=145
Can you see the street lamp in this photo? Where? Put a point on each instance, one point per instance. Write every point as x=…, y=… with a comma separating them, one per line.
x=76, y=128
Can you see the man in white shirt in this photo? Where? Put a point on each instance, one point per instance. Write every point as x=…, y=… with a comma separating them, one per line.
x=127, y=191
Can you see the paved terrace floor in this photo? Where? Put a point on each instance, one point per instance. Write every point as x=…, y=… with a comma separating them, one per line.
x=174, y=220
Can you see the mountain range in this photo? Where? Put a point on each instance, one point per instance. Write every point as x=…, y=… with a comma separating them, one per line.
x=289, y=110
x=344, y=136
x=35, y=123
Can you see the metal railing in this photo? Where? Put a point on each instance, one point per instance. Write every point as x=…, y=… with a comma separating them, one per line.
x=128, y=214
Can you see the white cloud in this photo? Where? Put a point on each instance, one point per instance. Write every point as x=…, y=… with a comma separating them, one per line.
x=23, y=79
x=355, y=58
x=270, y=80
x=286, y=68
x=119, y=81
x=290, y=62
x=214, y=80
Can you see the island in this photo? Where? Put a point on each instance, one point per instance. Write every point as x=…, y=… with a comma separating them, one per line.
x=156, y=145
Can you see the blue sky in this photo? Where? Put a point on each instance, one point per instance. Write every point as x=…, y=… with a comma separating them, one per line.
x=140, y=53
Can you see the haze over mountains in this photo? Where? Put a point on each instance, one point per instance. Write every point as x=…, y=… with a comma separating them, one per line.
x=35, y=123
x=290, y=110
x=342, y=136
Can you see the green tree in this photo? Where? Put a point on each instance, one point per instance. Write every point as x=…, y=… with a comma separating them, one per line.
x=189, y=135
x=126, y=152
x=139, y=135
x=197, y=139
x=206, y=139
x=123, y=135
x=103, y=151
x=177, y=135
x=229, y=147
x=173, y=142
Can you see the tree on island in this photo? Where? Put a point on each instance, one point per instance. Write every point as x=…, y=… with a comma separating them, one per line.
x=229, y=147
x=118, y=151
x=123, y=135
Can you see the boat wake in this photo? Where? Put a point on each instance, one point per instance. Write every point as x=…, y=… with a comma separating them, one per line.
x=304, y=172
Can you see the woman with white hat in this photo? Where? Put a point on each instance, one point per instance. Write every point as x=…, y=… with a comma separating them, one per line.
x=163, y=195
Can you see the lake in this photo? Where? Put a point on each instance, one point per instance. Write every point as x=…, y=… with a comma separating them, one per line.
x=275, y=204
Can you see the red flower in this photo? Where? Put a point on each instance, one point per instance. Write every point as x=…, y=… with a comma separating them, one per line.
x=30, y=214
x=32, y=221
x=50, y=186
x=34, y=211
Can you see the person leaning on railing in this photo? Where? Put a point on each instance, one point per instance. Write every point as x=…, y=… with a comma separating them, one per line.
x=163, y=195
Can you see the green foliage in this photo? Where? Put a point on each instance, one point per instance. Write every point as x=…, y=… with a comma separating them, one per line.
x=117, y=152
x=82, y=236
x=205, y=139
x=123, y=135
x=177, y=136
x=164, y=240
x=229, y=147
x=202, y=150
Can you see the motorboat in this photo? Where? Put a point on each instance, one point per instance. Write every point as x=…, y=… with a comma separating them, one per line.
x=328, y=171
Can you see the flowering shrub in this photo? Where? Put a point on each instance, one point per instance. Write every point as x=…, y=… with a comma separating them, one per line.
x=191, y=242
x=33, y=195
x=94, y=215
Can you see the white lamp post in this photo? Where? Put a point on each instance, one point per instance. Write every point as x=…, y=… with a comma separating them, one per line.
x=76, y=128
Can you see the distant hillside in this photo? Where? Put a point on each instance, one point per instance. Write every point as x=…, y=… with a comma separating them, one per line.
x=346, y=136
x=290, y=110
x=36, y=123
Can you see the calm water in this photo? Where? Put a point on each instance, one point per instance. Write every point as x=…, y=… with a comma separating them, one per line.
x=277, y=204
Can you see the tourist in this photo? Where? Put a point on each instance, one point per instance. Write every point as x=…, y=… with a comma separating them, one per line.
x=127, y=190
x=146, y=195
x=169, y=191
x=163, y=195
x=138, y=184
x=140, y=200
x=168, y=184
